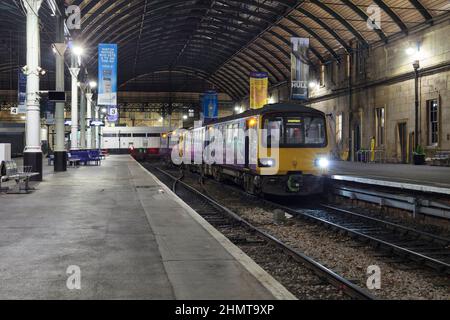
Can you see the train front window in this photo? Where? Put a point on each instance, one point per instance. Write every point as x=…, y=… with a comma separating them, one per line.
x=274, y=129
x=297, y=131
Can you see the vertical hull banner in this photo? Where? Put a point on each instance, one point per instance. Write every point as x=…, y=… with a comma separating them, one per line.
x=259, y=89
x=210, y=105
x=22, y=92
x=107, y=74
x=299, y=68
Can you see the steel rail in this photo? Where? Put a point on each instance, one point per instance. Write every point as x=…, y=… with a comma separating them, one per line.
x=415, y=256
x=331, y=277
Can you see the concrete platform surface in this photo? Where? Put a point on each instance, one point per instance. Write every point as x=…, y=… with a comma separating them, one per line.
x=419, y=178
x=128, y=235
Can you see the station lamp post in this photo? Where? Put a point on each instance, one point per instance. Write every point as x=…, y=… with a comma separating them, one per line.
x=414, y=52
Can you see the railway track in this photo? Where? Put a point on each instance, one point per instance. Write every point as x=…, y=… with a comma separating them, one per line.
x=243, y=233
x=420, y=247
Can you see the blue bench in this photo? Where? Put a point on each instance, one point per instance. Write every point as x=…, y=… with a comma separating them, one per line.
x=87, y=156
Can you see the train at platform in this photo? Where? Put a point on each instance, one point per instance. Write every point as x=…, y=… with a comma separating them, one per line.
x=281, y=149
x=142, y=143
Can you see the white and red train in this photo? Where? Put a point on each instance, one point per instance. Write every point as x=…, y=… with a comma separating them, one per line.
x=134, y=140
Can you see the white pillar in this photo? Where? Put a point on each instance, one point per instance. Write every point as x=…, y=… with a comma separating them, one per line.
x=83, y=118
x=88, y=121
x=59, y=109
x=74, y=111
x=97, y=128
x=33, y=152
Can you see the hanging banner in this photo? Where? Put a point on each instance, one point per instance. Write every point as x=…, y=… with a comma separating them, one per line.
x=22, y=92
x=259, y=89
x=113, y=114
x=210, y=105
x=299, y=68
x=107, y=74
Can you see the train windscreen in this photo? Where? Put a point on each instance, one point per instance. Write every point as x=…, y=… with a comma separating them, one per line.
x=296, y=131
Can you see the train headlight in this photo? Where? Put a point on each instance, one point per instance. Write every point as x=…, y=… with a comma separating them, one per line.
x=323, y=163
x=267, y=163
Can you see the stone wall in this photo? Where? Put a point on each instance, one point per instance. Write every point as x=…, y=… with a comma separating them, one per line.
x=386, y=80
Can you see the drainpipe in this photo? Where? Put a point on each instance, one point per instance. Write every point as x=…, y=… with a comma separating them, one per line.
x=33, y=151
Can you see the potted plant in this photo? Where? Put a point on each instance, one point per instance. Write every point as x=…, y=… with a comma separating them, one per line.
x=419, y=156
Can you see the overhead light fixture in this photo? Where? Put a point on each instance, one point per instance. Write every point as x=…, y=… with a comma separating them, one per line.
x=77, y=50
x=93, y=84
x=410, y=51
x=185, y=117
x=312, y=84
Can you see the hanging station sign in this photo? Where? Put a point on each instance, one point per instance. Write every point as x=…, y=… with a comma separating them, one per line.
x=107, y=74
x=113, y=114
x=259, y=89
x=299, y=68
x=210, y=105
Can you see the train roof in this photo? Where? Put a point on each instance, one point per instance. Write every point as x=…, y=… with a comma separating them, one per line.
x=270, y=108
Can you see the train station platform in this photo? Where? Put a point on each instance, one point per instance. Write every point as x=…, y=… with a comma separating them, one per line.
x=128, y=236
x=401, y=176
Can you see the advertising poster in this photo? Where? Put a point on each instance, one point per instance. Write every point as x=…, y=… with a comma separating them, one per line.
x=107, y=74
x=259, y=89
x=299, y=68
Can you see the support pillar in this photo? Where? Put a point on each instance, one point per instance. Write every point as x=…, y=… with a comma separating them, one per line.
x=60, y=153
x=89, y=144
x=33, y=151
x=74, y=111
x=83, y=119
x=60, y=161
x=97, y=128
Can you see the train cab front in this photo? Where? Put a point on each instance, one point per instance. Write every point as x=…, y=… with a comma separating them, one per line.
x=298, y=153
x=296, y=182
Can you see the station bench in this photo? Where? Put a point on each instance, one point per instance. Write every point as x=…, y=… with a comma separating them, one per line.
x=74, y=158
x=87, y=156
x=441, y=159
x=9, y=171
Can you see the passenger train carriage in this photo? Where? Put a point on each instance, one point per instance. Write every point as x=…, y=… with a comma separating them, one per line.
x=134, y=139
x=281, y=149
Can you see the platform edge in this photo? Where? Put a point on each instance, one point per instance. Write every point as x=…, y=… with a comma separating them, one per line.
x=273, y=286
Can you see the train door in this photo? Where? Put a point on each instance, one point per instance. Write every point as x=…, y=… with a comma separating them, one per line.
x=402, y=145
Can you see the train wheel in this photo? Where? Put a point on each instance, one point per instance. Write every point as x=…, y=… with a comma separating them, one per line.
x=217, y=174
x=249, y=186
